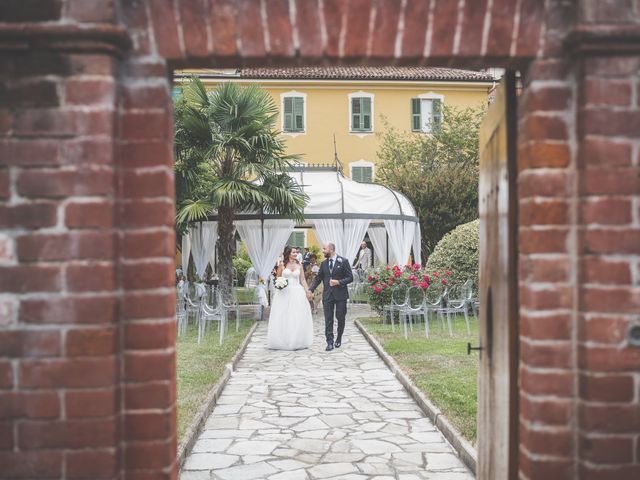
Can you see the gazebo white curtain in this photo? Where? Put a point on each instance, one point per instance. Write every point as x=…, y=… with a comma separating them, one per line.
x=186, y=251
x=378, y=237
x=204, y=236
x=417, y=245
x=264, y=243
x=346, y=235
x=401, y=235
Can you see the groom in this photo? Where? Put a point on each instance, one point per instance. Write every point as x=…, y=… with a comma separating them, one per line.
x=335, y=274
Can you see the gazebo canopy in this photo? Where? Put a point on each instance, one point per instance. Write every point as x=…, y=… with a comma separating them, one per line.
x=339, y=209
x=334, y=196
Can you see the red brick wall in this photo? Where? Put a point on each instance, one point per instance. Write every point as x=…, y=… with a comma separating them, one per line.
x=87, y=354
x=608, y=246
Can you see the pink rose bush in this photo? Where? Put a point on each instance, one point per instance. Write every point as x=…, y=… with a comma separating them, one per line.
x=382, y=280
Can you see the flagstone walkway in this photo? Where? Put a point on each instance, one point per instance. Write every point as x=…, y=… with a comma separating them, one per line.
x=313, y=414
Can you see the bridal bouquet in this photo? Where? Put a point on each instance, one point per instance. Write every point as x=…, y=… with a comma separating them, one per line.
x=281, y=283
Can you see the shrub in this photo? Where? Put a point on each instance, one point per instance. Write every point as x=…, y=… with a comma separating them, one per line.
x=458, y=252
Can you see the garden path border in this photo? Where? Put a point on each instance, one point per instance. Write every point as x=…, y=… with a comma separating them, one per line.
x=194, y=429
x=465, y=450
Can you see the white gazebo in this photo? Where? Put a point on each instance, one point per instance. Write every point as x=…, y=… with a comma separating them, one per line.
x=339, y=209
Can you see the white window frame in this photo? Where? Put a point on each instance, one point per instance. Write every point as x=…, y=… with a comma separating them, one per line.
x=294, y=93
x=361, y=94
x=427, y=96
x=363, y=163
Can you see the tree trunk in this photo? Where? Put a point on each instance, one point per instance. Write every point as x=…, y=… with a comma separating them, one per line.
x=225, y=252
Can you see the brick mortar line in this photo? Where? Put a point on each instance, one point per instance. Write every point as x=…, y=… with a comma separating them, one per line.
x=195, y=428
x=465, y=450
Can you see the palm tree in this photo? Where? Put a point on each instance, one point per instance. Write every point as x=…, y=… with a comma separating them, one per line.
x=229, y=158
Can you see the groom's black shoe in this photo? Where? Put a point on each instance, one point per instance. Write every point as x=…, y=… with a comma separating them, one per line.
x=338, y=342
x=329, y=346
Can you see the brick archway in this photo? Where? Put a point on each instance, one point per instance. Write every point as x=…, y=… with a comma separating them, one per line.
x=86, y=204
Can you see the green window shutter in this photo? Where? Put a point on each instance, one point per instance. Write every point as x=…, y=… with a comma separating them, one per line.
x=436, y=109
x=355, y=114
x=367, y=174
x=366, y=114
x=288, y=114
x=298, y=113
x=361, y=114
x=296, y=239
x=362, y=174
x=416, y=118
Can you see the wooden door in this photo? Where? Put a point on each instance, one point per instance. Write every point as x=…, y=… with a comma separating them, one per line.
x=497, y=382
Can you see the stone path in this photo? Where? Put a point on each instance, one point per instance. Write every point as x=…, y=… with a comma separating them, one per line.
x=313, y=414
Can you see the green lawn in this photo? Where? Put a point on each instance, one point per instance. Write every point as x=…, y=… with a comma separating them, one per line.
x=439, y=366
x=200, y=366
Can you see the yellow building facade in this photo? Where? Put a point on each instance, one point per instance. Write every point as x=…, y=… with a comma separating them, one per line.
x=354, y=105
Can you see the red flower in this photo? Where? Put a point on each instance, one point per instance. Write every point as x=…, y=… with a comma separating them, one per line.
x=369, y=278
x=377, y=289
x=415, y=283
x=448, y=273
x=412, y=277
x=388, y=267
x=397, y=274
x=426, y=278
x=384, y=285
x=396, y=268
x=417, y=266
x=444, y=282
x=436, y=274
x=424, y=285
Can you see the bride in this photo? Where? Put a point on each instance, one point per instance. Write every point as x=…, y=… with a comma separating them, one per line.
x=290, y=322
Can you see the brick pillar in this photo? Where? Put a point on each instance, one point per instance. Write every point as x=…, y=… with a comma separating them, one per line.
x=59, y=346
x=608, y=253
x=547, y=246
x=145, y=212
x=579, y=187
x=75, y=220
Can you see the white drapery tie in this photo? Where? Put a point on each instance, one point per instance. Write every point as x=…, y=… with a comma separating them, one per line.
x=346, y=235
x=264, y=242
x=378, y=237
x=204, y=236
x=401, y=235
x=417, y=245
x=186, y=251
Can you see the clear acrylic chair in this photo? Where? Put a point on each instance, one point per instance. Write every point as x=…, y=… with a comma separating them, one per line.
x=398, y=301
x=467, y=293
x=209, y=313
x=251, y=279
x=192, y=302
x=181, y=311
x=233, y=306
x=433, y=305
x=455, y=303
x=414, y=306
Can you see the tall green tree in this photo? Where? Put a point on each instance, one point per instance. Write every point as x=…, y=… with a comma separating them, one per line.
x=438, y=172
x=230, y=158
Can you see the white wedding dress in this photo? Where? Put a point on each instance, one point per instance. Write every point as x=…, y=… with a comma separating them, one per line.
x=290, y=321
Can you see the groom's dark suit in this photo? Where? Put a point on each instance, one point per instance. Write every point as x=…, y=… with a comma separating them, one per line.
x=334, y=297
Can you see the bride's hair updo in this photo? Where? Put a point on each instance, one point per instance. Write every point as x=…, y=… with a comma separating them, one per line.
x=286, y=254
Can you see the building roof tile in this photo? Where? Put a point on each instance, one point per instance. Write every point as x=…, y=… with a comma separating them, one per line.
x=365, y=73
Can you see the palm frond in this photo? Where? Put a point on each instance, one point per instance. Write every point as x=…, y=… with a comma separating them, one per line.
x=193, y=211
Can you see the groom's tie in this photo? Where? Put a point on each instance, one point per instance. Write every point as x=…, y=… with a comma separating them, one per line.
x=331, y=265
